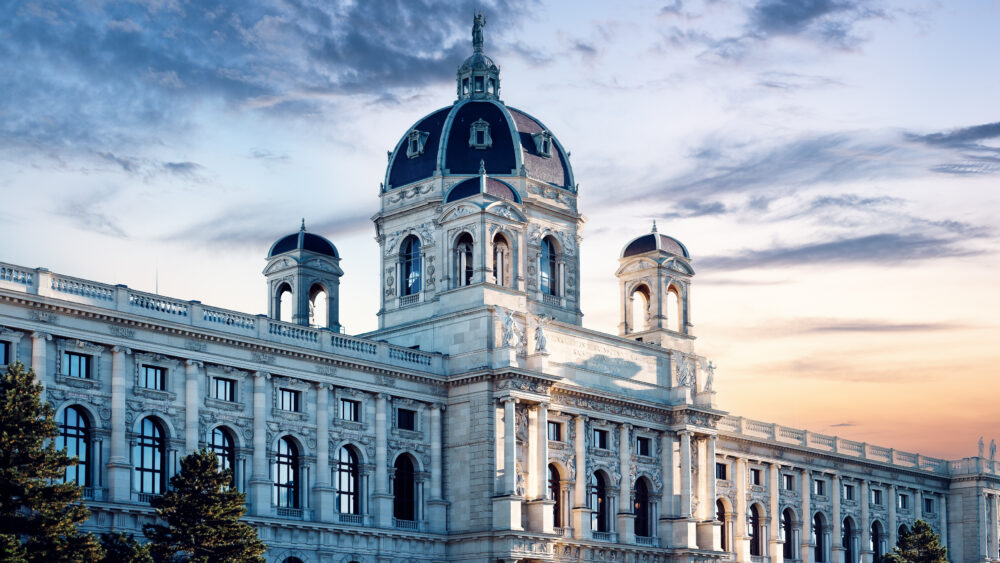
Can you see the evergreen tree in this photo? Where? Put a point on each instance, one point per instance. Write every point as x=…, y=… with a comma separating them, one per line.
x=38, y=513
x=921, y=545
x=202, y=511
x=123, y=548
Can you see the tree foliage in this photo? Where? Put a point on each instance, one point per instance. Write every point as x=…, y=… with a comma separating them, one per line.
x=38, y=513
x=921, y=545
x=202, y=511
x=123, y=548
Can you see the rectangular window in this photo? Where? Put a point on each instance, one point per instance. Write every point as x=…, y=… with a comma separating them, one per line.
x=601, y=439
x=153, y=377
x=4, y=352
x=289, y=400
x=555, y=431
x=76, y=365
x=876, y=497
x=789, y=482
x=929, y=505
x=755, y=477
x=224, y=389
x=904, y=502
x=350, y=410
x=721, y=471
x=848, y=492
x=406, y=419
x=819, y=487
x=479, y=84
x=643, y=446
x=480, y=138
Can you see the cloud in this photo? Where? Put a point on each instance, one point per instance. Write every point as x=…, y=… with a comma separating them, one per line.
x=827, y=21
x=879, y=326
x=882, y=249
x=148, y=168
x=688, y=208
x=85, y=213
x=976, y=158
x=843, y=424
x=254, y=227
x=790, y=81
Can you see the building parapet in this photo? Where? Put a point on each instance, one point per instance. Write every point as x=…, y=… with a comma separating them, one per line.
x=122, y=299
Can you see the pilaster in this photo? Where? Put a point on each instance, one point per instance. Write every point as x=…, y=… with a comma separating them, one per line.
x=119, y=468
x=260, y=484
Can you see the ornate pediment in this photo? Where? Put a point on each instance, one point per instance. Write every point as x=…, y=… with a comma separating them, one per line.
x=458, y=212
x=507, y=211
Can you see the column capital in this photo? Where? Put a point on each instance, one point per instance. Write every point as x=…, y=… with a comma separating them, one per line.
x=438, y=406
x=383, y=396
x=508, y=399
x=41, y=335
x=684, y=432
x=322, y=385
x=261, y=375
x=194, y=363
x=581, y=417
x=542, y=405
x=115, y=349
x=626, y=426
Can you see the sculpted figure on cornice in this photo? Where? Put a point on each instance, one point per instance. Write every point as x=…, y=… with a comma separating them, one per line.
x=519, y=384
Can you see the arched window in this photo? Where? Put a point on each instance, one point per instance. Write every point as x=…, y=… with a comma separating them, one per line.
x=549, y=268
x=404, y=501
x=641, y=509
x=501, y=261
x=74, y=439
x=877, y=540
x=284, y=307
x=720, y=515
x=286, y=474
x=292, y=560
x=599, y=502
x=348, y=501
x=850, y=554
x=902, y=532
x=409, y=266
x=151, y=457
x=555, y=495
x=817, y=533
x=463, y=260
x=673, y=310
x=788, y=533
x=754, y=530
x=221, y=442
x=319, y=306
x=640, y=308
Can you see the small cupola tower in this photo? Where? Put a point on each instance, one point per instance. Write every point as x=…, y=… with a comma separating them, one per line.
x=478, y=77
x=304, y=269
x=654, y=277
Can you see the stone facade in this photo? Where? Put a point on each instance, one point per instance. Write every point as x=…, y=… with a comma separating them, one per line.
x=481, y=421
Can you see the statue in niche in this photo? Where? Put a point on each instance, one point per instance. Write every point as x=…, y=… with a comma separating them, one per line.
x=980, y=446
x=993, y=450
x=509, y=329
x=685, y=373
x=540, y=340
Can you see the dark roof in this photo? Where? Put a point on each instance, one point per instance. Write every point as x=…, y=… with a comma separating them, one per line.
x=303, y=241
x=655, y=241
x=471, y=187
x=511, y=133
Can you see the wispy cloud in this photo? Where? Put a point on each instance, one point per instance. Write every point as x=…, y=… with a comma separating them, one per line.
x=86, y=213
x=254, y=227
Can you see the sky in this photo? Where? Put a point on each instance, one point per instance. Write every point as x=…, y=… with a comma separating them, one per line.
x=832, y=166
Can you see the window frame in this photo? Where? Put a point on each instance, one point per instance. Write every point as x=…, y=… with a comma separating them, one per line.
x=289, y=400
x=848, y=491
x=224, y=449
x=349, y=478
x=230, y=385
x=79, y=435
x=161, y=377
x=721, y=471
x=412, y=416
x=71, y=359
x=819, y=487
x=756, y=476
x=788, y=481
x=644, y=440
x=557, y=426
x=601, y=438
x=286, y=474
x=355, y=410
x=151, y=457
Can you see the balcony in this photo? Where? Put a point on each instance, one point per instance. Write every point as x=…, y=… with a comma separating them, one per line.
x=145, y=498
x=409, y=300
x=354, y=519
x=286, y=512
x=648, y=541
x=94, y=493
x=406, y=524
x=603, y=536
x=551, y=299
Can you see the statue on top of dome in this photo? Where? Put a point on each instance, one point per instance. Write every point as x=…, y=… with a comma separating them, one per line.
x=477, y=31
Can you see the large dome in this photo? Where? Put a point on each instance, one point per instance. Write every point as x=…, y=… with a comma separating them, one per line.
x=478, y=127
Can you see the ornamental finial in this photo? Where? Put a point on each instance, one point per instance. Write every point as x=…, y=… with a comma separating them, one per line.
x=654, y=226
x=482, y=167
x=478, y=21
x=303, y=227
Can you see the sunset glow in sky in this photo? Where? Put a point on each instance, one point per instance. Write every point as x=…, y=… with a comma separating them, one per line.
x=832, y=165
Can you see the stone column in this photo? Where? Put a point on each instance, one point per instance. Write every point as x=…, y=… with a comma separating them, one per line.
x=119, y=468
x=775, y=544
x=837, y=536
x=943, y=503
x=540, y=507
x=984, y=528
x=260, y=482
x=192, y=372
x=626, y=516
x=39, y=358
x=864, y=537
x=892, y=531
x=581, y=514
x=507, y=506
x=382, y=496
x=741, y=547
x=667, y=499
x=805, y=487
x=324, y=503
x=685, y=474
x=437, y=507
x=996, y=527
x=709, y=530
x=918, y=504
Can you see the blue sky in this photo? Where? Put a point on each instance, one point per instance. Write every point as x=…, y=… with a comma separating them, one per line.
x=831, y=164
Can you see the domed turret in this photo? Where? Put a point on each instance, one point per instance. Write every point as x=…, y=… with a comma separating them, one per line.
x=306, y=266
x=655, y=282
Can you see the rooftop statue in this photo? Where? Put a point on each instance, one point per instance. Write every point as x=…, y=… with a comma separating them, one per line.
x=477, y=32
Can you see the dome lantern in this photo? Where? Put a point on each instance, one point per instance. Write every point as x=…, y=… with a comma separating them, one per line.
x=478, y=77
x=307, y=266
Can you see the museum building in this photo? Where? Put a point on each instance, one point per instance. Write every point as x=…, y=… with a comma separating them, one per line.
x=481, y=421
